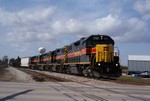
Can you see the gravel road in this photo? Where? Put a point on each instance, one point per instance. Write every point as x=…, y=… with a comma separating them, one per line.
x=14, y=75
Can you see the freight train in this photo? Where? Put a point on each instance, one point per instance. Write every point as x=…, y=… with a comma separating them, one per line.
x=93, y=56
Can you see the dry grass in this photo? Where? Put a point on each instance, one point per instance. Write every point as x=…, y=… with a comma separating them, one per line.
x=2, y=68
x=5, y=75
x=133, y=80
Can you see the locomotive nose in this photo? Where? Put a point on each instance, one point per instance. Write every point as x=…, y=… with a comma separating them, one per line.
x=104, y=53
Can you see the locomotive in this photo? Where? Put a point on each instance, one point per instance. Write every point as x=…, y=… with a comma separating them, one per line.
x=93, y=56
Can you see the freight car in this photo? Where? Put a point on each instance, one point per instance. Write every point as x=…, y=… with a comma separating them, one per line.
x=25, y=61
x=92, y=56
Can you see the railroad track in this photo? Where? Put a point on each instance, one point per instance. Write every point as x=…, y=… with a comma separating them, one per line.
x=83, y=93
x=117, y=92
x=44, y=77
x=95, y=97
x=41, y=77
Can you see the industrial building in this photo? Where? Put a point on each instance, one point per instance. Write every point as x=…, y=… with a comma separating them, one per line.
x=138, y=63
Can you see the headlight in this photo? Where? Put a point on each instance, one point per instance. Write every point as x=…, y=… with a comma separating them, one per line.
x=99, y=64
x=116, y=64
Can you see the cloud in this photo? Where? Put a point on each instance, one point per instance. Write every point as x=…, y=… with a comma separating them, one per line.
x=28, y=25
x=41, y=25
x=71, y=26
x=142, y=6
x=136, y=31
x=130, y=30
x=108, y=24
x=26, y=17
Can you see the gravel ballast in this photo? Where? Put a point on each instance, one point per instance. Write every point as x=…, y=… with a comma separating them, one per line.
x=20, y=76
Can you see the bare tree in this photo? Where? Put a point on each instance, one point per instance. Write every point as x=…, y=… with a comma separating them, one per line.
x=5, y=59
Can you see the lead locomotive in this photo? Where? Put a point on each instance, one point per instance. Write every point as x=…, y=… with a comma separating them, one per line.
x=92, y=56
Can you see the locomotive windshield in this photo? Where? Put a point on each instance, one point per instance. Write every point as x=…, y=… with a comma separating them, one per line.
x=94, y=40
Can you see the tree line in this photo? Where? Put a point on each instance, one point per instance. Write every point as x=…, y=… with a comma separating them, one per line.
x=5, y=61
x=15, y=62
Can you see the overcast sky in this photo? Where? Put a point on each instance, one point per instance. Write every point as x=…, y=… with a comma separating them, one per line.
x=26, y=25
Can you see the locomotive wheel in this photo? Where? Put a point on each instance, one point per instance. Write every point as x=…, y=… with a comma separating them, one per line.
x=44, y=68
x=80, y=71
x=96, y=74
x=57, y=69
x=85, y=72
x=50, y=69
x=90, y=72
x=68, y=71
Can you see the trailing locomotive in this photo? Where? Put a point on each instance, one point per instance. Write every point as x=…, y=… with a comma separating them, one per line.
x=92, y=56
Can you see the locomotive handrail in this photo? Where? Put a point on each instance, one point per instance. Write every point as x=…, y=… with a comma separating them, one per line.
x=118, y=51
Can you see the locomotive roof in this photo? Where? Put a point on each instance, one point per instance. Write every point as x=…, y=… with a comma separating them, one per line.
x=85, y=38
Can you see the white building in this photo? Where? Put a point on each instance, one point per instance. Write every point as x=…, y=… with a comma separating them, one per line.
x=138, y=63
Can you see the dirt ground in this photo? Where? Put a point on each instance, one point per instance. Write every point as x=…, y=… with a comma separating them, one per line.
x=5, y=74
x=11, y=74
